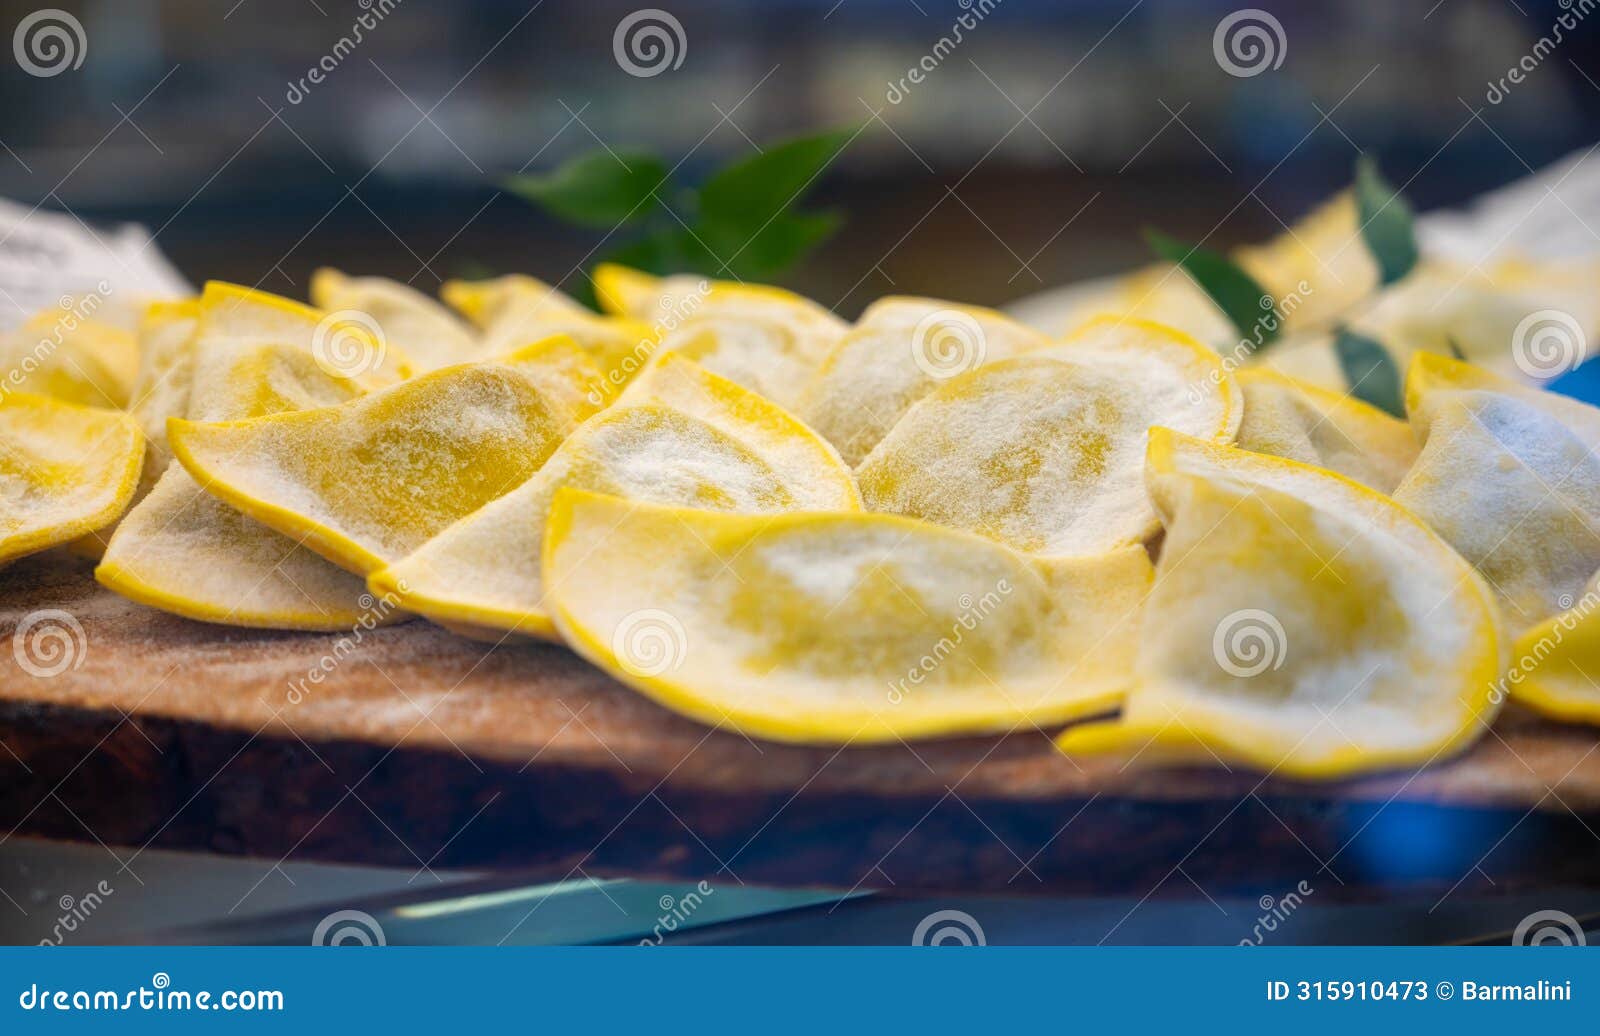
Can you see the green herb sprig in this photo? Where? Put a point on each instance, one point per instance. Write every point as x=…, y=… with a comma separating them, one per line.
x=1389, y=234
x=1240, y=297
x=741, y=223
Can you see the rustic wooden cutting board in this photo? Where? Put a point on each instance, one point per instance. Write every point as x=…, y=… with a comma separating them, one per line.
x=420, y=747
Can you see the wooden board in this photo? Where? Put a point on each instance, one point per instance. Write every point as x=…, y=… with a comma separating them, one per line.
x=420, y=747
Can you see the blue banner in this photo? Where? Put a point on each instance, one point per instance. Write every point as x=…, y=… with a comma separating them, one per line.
x=924, y=989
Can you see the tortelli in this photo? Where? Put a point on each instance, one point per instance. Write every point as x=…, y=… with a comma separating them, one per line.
x=934, y=521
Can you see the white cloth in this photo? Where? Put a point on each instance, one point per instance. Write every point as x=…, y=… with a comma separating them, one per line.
x=45, y=255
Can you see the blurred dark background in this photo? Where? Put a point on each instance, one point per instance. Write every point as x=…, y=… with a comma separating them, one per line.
x=1028, y=157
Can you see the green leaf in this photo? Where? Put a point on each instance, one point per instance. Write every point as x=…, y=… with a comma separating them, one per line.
x=1370, y=371
x=744, y=224
x=1386, y=223
x=1236, y=293
x=747, y=194
x=785, y=241
x=776, y=247
x=653, y=253
x=597, y=190
x=665, y=251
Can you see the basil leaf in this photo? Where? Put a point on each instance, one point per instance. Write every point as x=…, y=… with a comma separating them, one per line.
x=666, y=251
x=1370, y=371
x=1235, y=292
x=773, y=248
x=596, y=190
x=743, y=226
x=1386, y=223
x=749, y=193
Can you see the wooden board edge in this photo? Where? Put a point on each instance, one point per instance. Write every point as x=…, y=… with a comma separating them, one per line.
x=91, y=775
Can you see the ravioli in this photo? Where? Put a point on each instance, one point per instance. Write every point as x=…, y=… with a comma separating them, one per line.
x=766, y=340
x=399, y=315
x=1525, y=320
x=1310, y=274
x=68, y=355
x=367, y=482
x=514, y=310
x=186, y=552
x=165, y=333
x=899, y=351
x=1045, y=452
x=680, y=435
x=1300, y=625
x=1555, y=663
x=65, y=471
x=516, y=296
x=838, y=628
x=161, y=390
x=1509, y=476
x=668, y=301
x=1299, y=421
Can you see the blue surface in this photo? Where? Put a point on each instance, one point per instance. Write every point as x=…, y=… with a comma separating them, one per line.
x=793, y=989
x=1583, y=383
